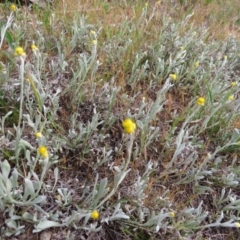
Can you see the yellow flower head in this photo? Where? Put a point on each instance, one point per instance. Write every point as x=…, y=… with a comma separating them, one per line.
x=172, y=214
x=173, y=76
x=158, y=2
x=129, y=125
x=181, y=48
x=233, y=84
x=146, y=4
x=95, y=215
x=201, y=101
x=231, y=97
x=225, y=57
x=194, y=33
x=237, y=224
x=94, y=42
x=92, y=32
x=42, y=150
x=20, y=52
x=34, y=47
x=13, y=7
x=38, y=134
x=238, y=143
x=196, y=64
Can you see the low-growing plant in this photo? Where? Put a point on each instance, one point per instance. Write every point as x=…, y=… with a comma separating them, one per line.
x=133, y=123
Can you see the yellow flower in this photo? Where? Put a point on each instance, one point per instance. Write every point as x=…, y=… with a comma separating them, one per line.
x=92, y=32
x=34, y=47
x=225, y=57
x=231, y=97
x=13, y=7
x=181, y=48
x=38, y=134
x=233, y=84
x=146, y=4
x=20, y=52
x=201, y=101
x=237, y=224
x=173, y=76
x=128, y=125
x=172, y=214
x=94, y=42
x=238, y=143
x=95, y=215
x=42, y=150
x=158, y=2
x=196, y=64
x=194, y=33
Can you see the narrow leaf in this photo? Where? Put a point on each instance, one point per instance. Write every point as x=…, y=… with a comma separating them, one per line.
x=39, y=199
x=47, y=224
x=29, y=187
x=5, y=169
x=56, y=172
x=9, y=39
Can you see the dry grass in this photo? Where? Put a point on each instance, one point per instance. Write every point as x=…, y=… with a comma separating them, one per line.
x=221, y=17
